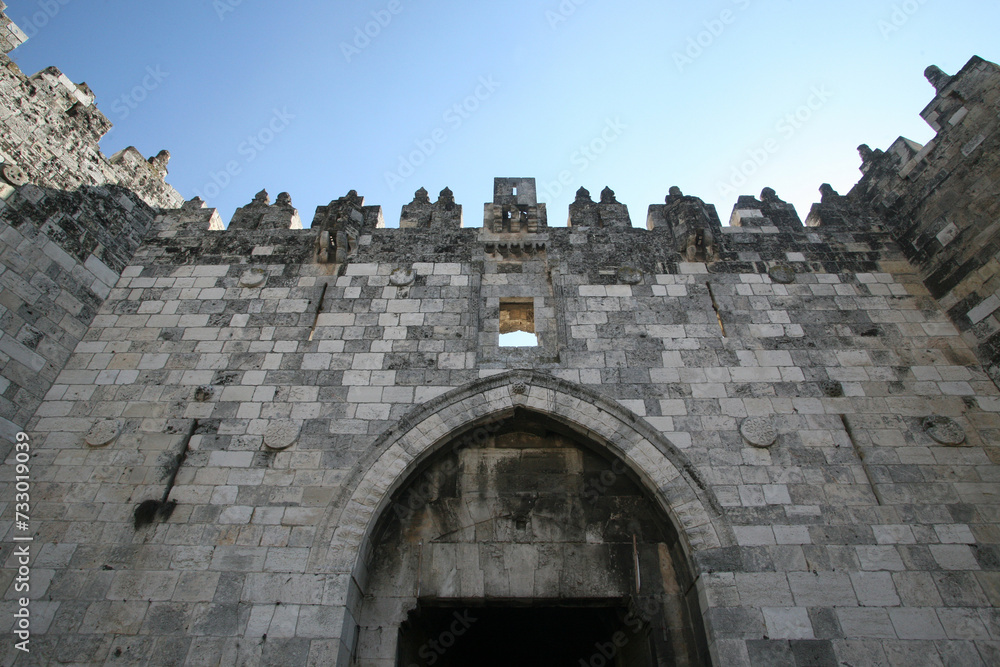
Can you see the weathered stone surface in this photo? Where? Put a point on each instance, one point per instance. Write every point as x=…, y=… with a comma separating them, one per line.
x=782, y=274
x=253, y=278
x=609, y=463
x=759, y=431
x=281, y=434
x=103, y=433
x=944, y=430
x=402, y=277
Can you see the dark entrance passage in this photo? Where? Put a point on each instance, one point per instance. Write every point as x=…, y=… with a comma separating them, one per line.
x=524, y=637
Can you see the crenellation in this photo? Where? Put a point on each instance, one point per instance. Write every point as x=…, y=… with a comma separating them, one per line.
x=261, y=215
x=422, y=214
x=768, y=211
x=937, y=202
x=774, y=437
x=612, y=213
x=692, y=224
x=53, y=132
x=583, y=211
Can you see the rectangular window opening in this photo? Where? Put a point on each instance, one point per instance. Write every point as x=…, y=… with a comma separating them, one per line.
x=517, y=323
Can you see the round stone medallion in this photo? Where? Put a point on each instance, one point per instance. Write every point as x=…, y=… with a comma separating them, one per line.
x=14, y=175
x=519, y=389
x=782, y=274
x=402, y=277
x=281, y=435
x=629, y=275
x=759, y=431
x=944, y=430
x=253, y=278
x=103, y=433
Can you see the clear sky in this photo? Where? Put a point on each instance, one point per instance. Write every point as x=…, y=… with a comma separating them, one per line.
x=385, y=96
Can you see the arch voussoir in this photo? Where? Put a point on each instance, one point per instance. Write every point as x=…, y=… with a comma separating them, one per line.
x=367, y=492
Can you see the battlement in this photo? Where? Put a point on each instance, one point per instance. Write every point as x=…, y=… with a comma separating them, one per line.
x=940, y=201
x=52, y=138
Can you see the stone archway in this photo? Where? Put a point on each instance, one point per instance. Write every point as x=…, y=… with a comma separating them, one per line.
x=396, y=604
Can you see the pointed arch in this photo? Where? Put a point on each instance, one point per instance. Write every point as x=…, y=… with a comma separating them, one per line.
x=342, y=542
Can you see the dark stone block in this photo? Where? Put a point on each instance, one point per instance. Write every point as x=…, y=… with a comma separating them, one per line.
x=813, y=653
x=770, y=653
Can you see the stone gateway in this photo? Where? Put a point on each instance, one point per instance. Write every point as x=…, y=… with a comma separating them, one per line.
x=763, y=443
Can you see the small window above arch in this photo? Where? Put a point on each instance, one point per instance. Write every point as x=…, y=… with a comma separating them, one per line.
x=517, y=323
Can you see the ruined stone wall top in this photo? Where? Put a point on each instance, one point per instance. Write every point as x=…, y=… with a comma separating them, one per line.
x=940, y=200
x=51, y=130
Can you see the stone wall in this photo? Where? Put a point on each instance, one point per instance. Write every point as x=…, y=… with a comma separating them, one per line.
x=70, y=220
x=61, y=255
x=798, y=391
x=800, y=441
x=11, y=36
x=940, y=201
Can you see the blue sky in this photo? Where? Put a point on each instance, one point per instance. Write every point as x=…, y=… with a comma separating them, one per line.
x=385, y=96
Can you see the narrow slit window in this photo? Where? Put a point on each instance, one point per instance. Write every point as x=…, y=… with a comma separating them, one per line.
x=517, y=323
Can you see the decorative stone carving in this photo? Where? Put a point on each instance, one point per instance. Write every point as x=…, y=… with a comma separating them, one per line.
x=281, y=435
x=402, y=277
x=700, y=242
x=944, y=430
x=253, y=278
x=628, y=275
x=782, y=274
x=103, y=433
x=446, y=196
x=13, y=174
x=519, y=389
x=759, y=431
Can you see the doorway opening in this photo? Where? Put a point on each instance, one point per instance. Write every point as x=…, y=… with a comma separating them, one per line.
x=501, y=636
